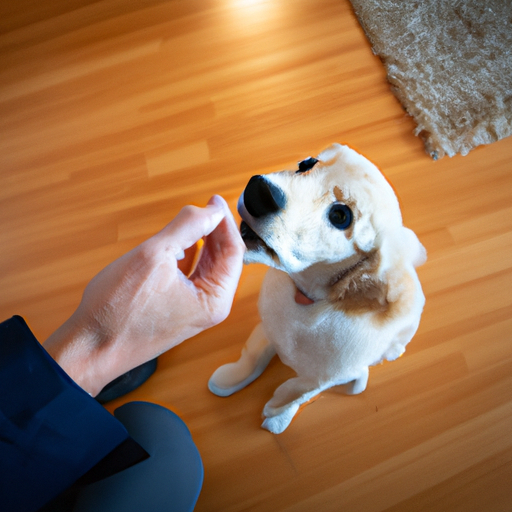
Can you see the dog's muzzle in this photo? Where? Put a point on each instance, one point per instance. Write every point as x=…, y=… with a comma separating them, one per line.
x=262, y=197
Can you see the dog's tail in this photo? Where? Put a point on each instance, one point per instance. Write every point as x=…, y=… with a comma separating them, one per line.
x=417, y=253
x=413, y=249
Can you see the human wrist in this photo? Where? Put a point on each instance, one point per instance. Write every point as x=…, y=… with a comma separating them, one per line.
x=75, y=349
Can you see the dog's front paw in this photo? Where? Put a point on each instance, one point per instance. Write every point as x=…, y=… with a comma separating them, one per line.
x=278, y=423
x=233, y=377
x=227, y=379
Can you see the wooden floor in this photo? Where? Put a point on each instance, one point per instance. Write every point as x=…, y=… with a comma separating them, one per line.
x=115, y=114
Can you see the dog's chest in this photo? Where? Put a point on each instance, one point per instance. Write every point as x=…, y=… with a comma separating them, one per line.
x=310, y=332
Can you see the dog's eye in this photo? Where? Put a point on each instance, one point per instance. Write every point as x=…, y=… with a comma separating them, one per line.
x=340, y=216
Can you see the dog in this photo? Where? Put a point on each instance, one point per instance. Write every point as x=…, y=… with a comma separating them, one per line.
x=341, y=294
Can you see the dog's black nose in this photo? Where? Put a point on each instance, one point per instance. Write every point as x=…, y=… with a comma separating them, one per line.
x=262, y=197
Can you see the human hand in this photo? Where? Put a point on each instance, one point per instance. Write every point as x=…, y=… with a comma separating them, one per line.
x=142, y=304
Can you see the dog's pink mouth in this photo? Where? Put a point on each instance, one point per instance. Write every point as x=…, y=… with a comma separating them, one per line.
x=253, y=241
x=248, y=234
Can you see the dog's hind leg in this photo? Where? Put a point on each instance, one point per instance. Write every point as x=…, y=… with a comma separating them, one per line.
x=358, y=385
x=232, y=377
x=288, y=397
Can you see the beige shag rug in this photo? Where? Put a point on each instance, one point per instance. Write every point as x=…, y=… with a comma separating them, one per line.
x=449, y=63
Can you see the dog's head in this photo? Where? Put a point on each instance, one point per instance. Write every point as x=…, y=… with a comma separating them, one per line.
x=335, y=207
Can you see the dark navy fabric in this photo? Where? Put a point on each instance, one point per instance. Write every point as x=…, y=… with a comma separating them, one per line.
x=169, y=480
x=51, y=431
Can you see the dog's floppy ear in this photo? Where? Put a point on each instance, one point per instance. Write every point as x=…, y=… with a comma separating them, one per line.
x=360, y=288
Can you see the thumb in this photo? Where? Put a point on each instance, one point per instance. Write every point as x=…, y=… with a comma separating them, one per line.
x=190, y=225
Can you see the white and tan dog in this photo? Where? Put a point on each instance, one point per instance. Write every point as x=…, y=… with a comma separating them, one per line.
x=343, y=293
